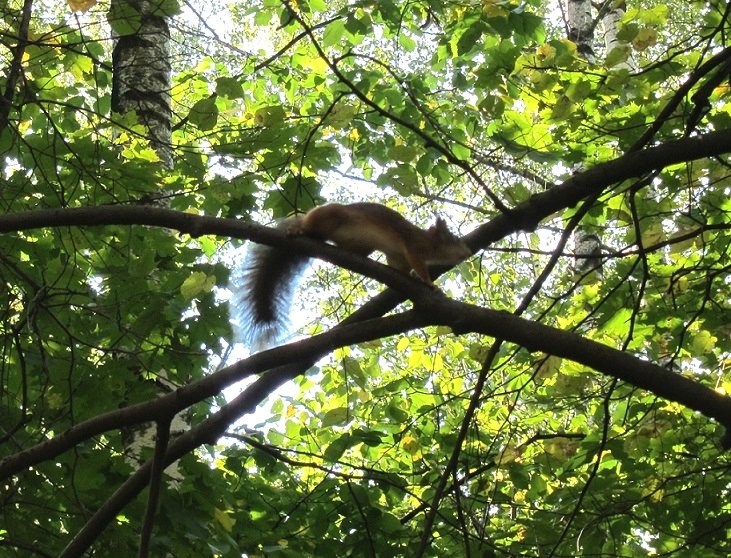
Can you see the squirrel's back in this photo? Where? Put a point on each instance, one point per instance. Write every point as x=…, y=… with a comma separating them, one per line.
x=267, y=279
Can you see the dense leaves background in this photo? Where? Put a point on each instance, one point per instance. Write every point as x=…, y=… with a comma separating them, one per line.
x=420, y=443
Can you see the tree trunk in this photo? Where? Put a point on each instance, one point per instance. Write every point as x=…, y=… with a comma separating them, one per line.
x=141, y=84
x=587, y=242
x=141, y=70
x=580, y=27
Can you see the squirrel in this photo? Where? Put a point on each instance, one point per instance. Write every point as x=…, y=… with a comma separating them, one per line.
x=269, y=274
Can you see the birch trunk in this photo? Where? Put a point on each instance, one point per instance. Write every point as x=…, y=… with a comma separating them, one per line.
x=141, y=83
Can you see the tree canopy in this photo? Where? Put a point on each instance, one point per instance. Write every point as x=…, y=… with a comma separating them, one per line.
x=564, y=392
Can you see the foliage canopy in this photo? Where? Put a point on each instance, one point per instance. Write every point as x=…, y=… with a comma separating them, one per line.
x=533, y=411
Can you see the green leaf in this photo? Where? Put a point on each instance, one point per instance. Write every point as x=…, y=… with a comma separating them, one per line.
x=337, y=448
x=336, y=416
x=269, y=116
x=166, y=8
x=470, y=38
x=617, y=55
x=229, y=88
x=406, y=42
x=204, y=114
x=196, y=284
x=124, y=18
x=103, y=305
x=334, y=33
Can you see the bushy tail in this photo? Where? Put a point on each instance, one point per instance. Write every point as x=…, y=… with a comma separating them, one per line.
x=262, y=292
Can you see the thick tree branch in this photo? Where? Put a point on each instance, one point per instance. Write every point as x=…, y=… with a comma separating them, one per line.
x=593, y=181
x=524, y=216
x=206, y=432
x=431, y=308
x=435, y=310
x=680, y=94
x=161, y=408
x=602, y=358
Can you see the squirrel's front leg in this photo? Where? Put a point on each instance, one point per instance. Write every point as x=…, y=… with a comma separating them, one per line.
x=424, y=278
x=417, y=267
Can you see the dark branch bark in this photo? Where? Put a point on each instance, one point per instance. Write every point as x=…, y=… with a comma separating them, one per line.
x=602, y=358
x=15, y=69
x=156, y=484
x=432, y=308
x=208, y=432
x=524, y=216
x=168, y=405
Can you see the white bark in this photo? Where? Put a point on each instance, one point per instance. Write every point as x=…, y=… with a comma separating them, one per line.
x=587, y=242
x=141, y=70
x=611, y=17
x=141, y=83
x=580, y=26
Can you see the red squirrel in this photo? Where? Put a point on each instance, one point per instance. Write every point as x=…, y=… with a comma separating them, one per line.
x=269, y=274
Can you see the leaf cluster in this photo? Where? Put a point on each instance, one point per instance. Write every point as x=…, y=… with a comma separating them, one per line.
x=405, y=440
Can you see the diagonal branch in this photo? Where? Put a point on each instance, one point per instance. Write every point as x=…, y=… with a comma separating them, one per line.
x=156, y=483
x=165, y=406
x=526, y=215
x=462, y=318
x=523, y=217
x=428, y=139
x=16, y=65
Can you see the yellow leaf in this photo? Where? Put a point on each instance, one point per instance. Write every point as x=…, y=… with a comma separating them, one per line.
x=494, y=8
x=411, y=445
x=645, y=38
x=570, y=45
x=197, y=283
x=548, y=366
x=81, y=5
x=511, y=454
x=269, y=116
x=223, y=519
x=545, y=53
x=561, y=448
